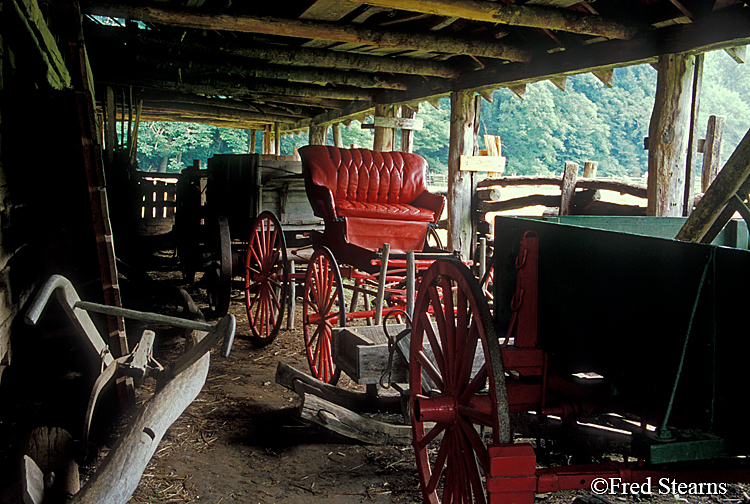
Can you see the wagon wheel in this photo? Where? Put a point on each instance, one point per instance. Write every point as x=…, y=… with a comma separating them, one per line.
x=462, y=397
x=220, y=270
x=323, y=307
x=266, y=278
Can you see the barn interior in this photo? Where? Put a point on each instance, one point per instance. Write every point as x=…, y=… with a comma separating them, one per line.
x=75, y=77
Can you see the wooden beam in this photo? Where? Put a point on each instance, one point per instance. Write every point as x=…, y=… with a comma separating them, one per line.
x=519, y=91
x=737, y=53
x=107, y=36
x=239, y=87
x=668, y=134
x=726, y=28
x=606, y=76
x=559, y=82
x=312, y=30
x=518, y=15
x=728, y=182
x=459, y=183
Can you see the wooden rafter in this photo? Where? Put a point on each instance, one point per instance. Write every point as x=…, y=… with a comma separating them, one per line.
x=520, y=15
x=320, y=58
x=313, y=30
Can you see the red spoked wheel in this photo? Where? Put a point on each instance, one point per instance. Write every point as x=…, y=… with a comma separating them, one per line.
x=457, y=382
x=323, y=308
x=266, y=278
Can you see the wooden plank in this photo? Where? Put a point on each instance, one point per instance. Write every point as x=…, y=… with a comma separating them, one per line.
x=483, y=163
x=289, y=377
x=727, y=183
x=737, y=53
x=712, y=150
x=352, y=425
x=398, y=122
x=329, y=10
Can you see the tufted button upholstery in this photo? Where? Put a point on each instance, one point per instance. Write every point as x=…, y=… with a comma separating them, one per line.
x=369, y=184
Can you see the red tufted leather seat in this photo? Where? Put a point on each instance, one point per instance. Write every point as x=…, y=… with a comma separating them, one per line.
x=382, y=191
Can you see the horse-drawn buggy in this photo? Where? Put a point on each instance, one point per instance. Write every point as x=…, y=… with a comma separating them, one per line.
x=621, y=352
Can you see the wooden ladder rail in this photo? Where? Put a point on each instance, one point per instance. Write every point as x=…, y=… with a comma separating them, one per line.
x=93, y=164
x=727, y=194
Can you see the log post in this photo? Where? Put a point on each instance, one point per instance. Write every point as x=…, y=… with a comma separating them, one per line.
x=669, y=132
x=459, y=183
x=712, y=150
x=338, y=140
x=383, y=140
x=267, y=140
x=589, y=169
x=407, y=135
x=568, y=188
x=318, y=135
x=251, y=146
x=276, y=139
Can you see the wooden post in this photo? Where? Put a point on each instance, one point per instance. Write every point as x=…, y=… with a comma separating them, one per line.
x=692, y=151
x=669, y=132
x=407, y=135
x=383, y=138
x=111, y=106
x=318, y=135
x=267, y=140
x=568, y=188
x=251, y=147
x=338, y=141
x=712, y=150
x=276, y=139
x=459, y=183
x=589, y=169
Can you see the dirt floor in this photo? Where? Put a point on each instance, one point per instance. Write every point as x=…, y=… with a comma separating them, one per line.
x=242, y=441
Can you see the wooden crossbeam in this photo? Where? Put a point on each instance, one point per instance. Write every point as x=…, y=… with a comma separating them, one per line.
x=313, y=30
x=519, y=15
x=105, y=37
x=716, y=207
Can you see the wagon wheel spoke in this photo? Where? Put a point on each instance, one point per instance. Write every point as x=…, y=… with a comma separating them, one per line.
x=266, y=278
x=323, y=308
x=463, y=333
